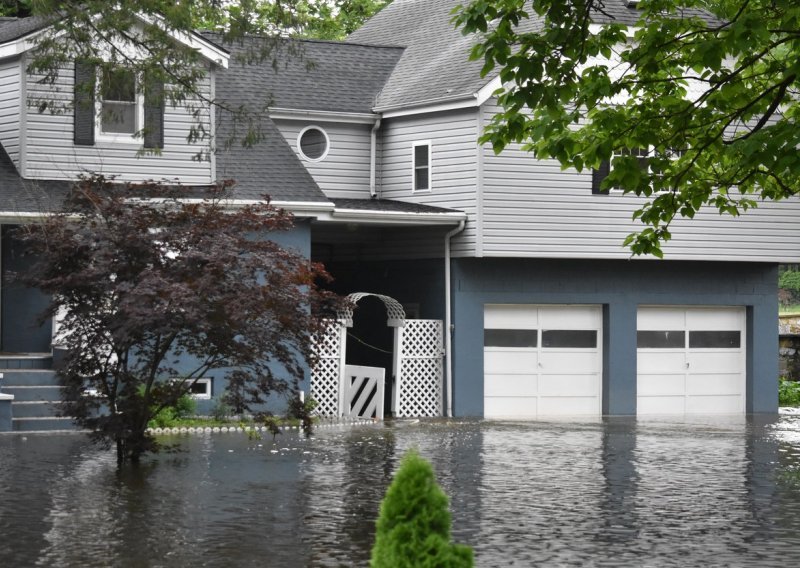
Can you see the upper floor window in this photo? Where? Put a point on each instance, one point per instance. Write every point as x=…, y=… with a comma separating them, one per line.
x=646, y=159
x=119, y=104
x=313, y=143
x=422, y=165
x=112, y=106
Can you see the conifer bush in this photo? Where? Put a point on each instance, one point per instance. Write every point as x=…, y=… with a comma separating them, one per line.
x=413, y=529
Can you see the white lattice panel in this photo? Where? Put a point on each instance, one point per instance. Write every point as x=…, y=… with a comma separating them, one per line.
x=326, y=372
x=421, y=369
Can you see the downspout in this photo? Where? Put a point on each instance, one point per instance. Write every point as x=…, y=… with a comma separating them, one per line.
x=373, y=157
x=448, y=325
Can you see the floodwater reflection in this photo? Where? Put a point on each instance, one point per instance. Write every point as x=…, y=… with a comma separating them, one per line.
x=616, y=492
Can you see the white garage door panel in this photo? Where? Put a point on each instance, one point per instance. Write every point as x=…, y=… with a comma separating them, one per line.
x=530, y=381
x=561, y=406
x=510, y=385
x=713, y=319
x=511, y=317
x=660, y=318
x=509, y=407
x=714, y=385
x=513, y=362
x=661, y=361
x=568, y=361
x=714, y=404
x=660, y=405
x=715, y=362
x=691, y=379
x=568, y=385
x=570, y=317
x=661, y=385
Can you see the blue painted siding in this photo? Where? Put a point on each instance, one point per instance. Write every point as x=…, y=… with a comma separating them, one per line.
x=620, y=287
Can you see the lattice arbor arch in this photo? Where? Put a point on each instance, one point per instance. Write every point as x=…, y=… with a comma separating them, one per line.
x=417, y=362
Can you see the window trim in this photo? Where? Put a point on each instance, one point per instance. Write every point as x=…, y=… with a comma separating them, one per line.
x=209, y=390
x=601, y=173
x=414, y=166
x=118, y=137
x=327, y=143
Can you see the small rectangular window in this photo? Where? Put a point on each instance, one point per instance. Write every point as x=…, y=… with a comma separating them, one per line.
x=201, y=389
x=715, y=339
x=509, y=338
x=422, y=166
x=569, y=338
x=661, y=339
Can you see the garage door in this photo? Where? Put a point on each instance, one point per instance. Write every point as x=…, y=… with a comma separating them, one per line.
x=690, y=360
x=542, y=360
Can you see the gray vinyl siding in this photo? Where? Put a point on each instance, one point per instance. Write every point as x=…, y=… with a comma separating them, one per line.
x=51, y=153
x=10, y=107
x=344, y=172
x=531, y=208
x=454, y=153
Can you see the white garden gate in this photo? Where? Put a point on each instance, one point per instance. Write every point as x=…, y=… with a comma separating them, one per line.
x=417, y=364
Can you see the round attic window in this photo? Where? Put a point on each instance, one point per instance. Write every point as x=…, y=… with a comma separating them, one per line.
x=313, y=143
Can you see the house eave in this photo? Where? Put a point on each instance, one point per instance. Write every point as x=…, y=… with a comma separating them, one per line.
x=442, y=104
x=322, y=115
x=362, y=217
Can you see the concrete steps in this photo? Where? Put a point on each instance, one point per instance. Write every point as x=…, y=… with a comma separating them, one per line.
x=37, y=394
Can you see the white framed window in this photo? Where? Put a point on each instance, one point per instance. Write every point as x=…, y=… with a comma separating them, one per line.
x=642, y=155
x=313, y=143
x=120, y=106
x=421, y=165
x=201, y=389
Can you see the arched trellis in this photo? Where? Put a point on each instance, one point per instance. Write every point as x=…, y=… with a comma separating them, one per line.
x=416, y=362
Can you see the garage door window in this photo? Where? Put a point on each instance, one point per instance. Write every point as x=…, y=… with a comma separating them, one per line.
x=660, y=339
x=509, y=338
x=569, y=338
x=715, y=339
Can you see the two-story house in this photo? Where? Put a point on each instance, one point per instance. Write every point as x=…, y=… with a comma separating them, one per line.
x=372, y=143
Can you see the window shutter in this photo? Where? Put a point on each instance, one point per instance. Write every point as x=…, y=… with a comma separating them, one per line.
x=84, y=112
x=599, y=175
x=154, y=114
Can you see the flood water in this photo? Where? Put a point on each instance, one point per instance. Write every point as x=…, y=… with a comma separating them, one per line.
x=617, y=492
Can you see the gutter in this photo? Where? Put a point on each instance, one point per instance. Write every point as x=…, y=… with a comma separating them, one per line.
x=373, y=157
x=448, y=332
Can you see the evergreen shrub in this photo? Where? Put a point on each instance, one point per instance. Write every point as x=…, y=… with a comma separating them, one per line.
x=413, y=529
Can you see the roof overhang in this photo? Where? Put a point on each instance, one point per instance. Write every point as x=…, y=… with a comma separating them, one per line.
x=442, y=104
x=363, y=217
x=194, y=41
x=323, y=115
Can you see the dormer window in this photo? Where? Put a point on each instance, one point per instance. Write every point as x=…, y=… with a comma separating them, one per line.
x=112, y=107
x=421, y=165
x=119, y=103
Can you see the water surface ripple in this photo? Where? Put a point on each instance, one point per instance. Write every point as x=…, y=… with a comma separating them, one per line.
x=613, y=492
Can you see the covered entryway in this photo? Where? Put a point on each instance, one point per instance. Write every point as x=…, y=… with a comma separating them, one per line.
x=542, y=360
x=690, y=360
x=417, y=369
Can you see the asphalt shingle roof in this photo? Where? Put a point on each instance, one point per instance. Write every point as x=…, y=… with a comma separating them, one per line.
x=15, y=28
x=19, y=195
x=435, y=66
x=313, y=75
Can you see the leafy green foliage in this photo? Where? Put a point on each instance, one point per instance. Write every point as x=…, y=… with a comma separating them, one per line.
x=789, y=280
x=413, y=529
x=714, y=102
x=788, y=393
x=337, y=19
x=157, y=294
